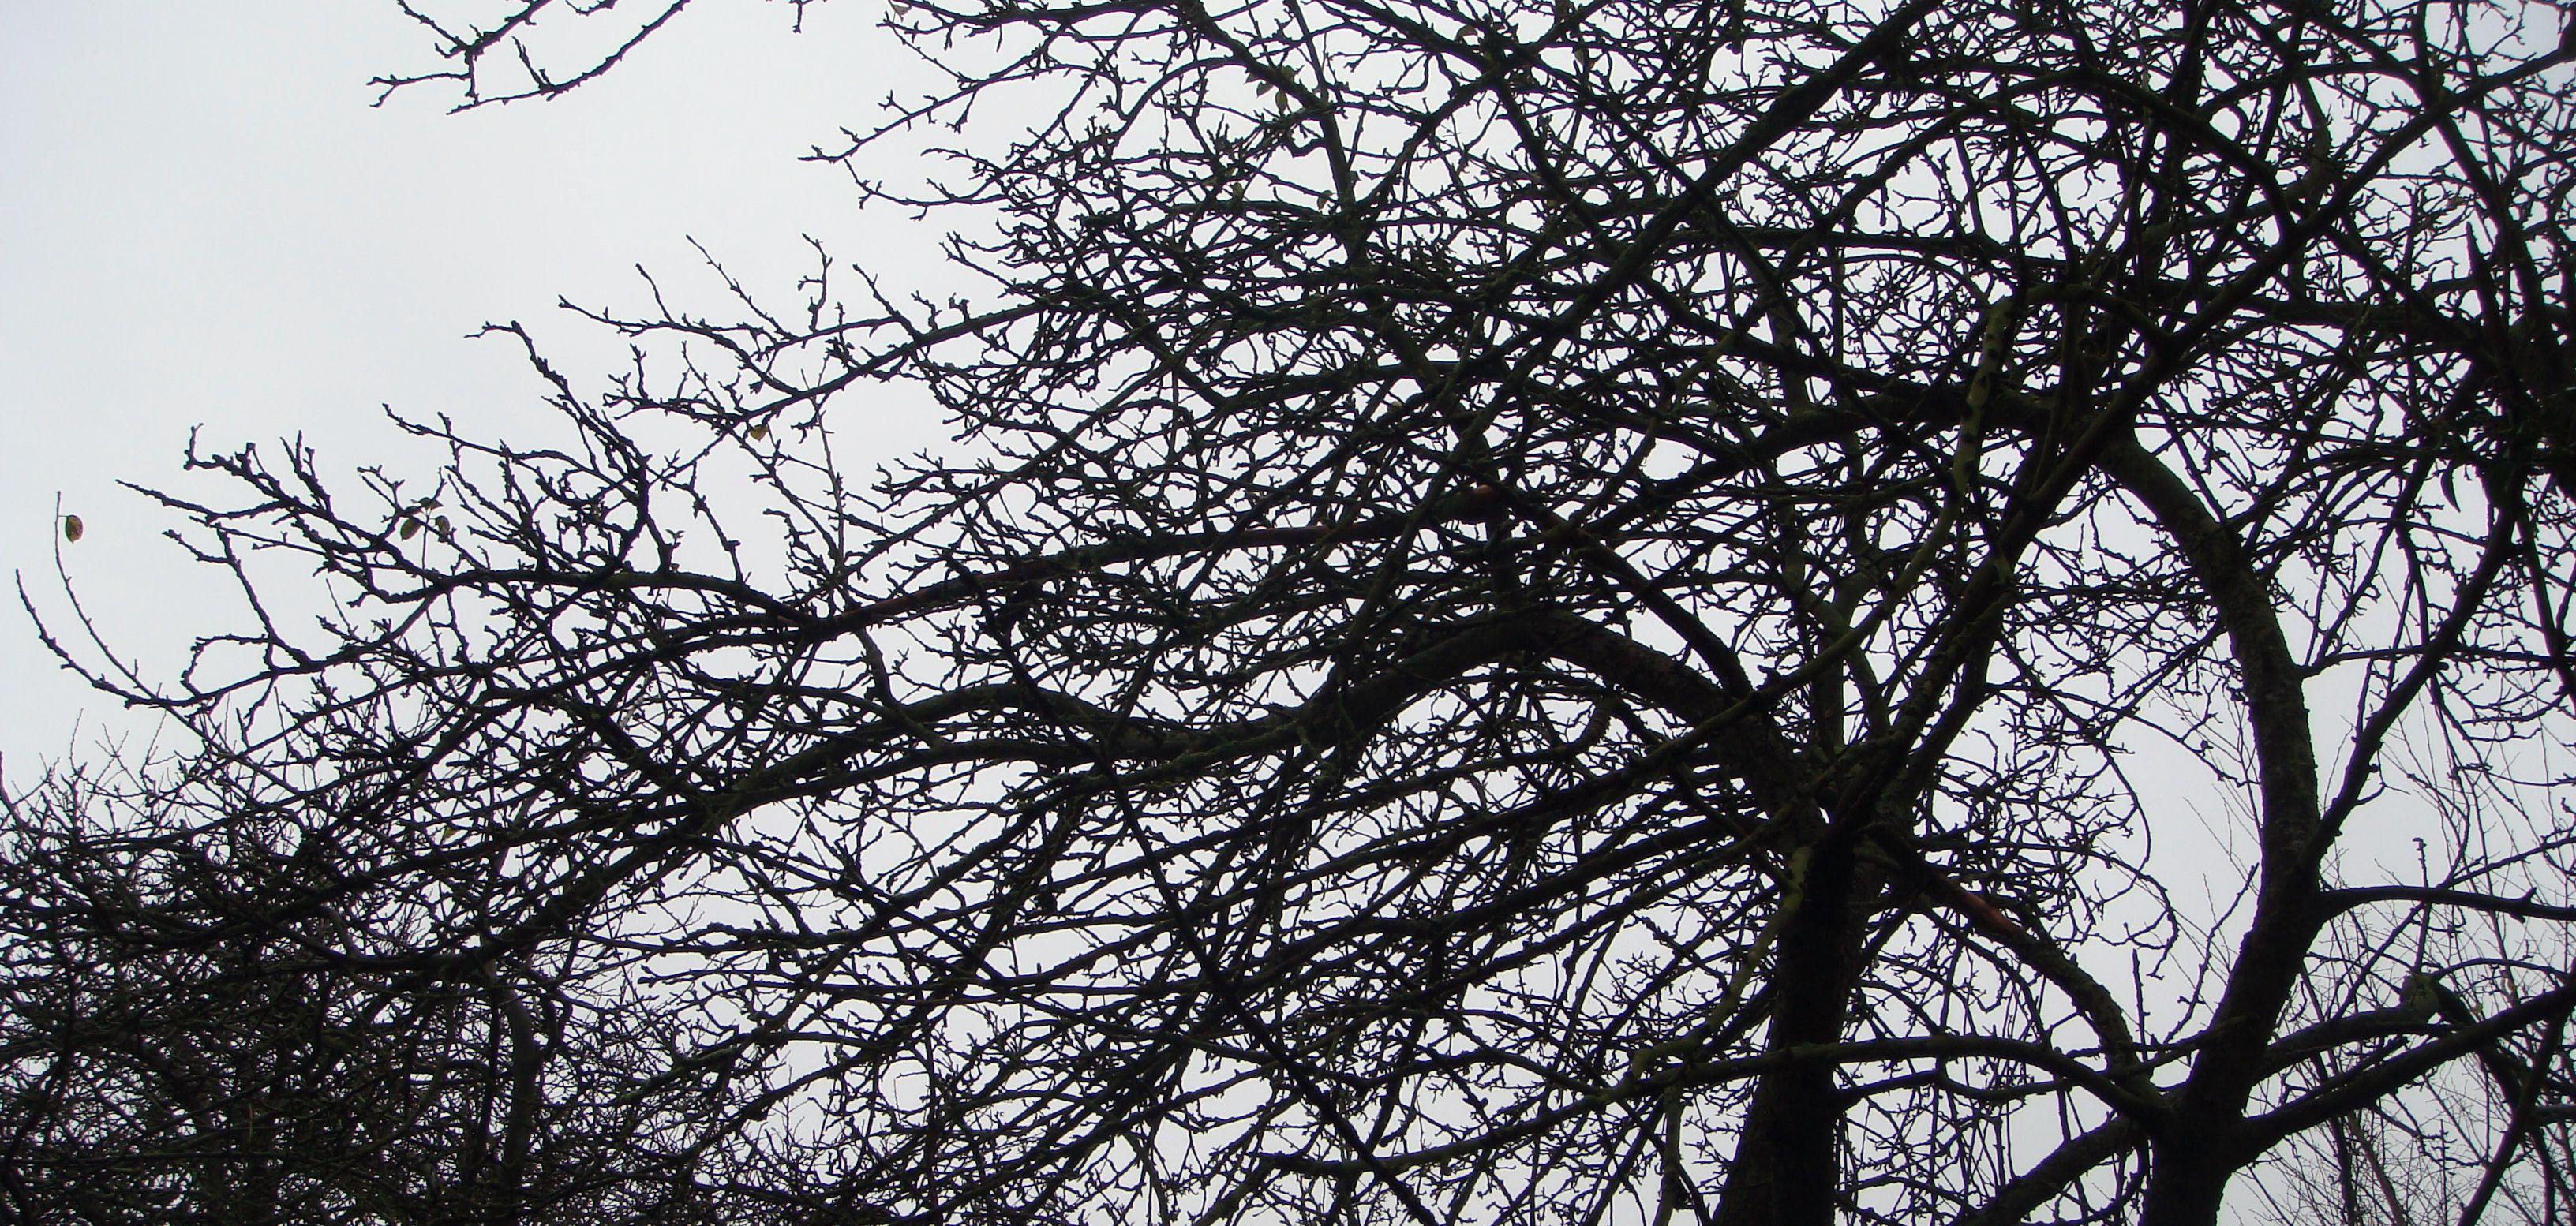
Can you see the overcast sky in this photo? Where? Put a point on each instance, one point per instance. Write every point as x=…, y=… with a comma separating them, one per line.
x=203, y=222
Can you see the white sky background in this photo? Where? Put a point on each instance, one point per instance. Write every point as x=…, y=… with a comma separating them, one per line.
x=204, y=223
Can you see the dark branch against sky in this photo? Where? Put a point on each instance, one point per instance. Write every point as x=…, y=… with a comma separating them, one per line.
x=1544, y=612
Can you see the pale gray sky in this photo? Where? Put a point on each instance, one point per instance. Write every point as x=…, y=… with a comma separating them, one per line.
x=203, y=222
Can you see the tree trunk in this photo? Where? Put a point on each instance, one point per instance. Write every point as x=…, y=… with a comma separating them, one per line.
x=2186, y=1181
x=1784, y=1173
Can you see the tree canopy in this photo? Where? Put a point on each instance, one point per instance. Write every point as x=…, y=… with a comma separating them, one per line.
x=1542, y=612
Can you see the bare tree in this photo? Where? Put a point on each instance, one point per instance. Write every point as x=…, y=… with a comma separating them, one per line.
x=1544, y=612
x=196, y=1028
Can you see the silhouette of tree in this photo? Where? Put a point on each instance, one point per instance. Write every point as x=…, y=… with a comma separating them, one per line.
x=196, y=1030
x=1567, y=612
